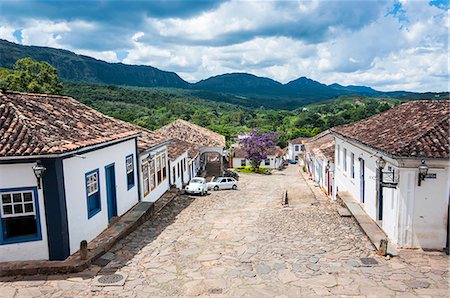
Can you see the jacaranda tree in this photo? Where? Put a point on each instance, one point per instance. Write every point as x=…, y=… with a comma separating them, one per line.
x=256, y=146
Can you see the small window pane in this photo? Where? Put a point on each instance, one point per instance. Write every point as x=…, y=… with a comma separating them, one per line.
x=7, y=210
x=18, y=209
x=6, y=198
x=29, y=207
x=27, y=197
x=17, y=198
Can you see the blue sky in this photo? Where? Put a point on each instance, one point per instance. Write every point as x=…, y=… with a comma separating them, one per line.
x=389, y=45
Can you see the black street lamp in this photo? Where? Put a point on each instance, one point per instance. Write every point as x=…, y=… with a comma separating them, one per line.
x=39, y=170
x=423, y=171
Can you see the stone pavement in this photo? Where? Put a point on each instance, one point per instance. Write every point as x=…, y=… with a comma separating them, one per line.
x=244, y=243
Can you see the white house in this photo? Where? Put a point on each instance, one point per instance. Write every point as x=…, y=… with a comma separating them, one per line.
x=153, y=165
x=181, y=166
x=274, y=158
x=296, y=149
x=319, y=160
x=396, y=166
x=65, y=171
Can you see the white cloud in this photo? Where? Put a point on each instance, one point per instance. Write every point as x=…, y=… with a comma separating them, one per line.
x=7, y=32
x=329, y=41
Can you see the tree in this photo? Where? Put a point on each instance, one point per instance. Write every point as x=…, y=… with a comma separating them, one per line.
x=256, y=146
x=32, y=76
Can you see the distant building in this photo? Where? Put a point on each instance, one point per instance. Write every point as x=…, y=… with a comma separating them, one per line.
x=296, y=149
x=319, y=160
x=274, y=158
x=211, y=145
x=379, y=162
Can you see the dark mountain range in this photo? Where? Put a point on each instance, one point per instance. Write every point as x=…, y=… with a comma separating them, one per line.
x=79, y=68
x=239, y=88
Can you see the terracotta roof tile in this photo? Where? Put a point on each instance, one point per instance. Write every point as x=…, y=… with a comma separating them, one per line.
x=40, y=124
x=321, y=145
x=192, y=133
x=178, y=147
x=414, y=129
x=298, y=141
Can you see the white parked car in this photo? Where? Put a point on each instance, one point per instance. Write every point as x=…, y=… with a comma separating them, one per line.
x=197, y=185
x=223, y=183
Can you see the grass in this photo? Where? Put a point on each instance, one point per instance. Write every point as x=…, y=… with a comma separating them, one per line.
x=250, y=169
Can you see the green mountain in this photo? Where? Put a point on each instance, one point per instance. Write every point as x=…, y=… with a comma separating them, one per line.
x=79, y=68
x=237, y=88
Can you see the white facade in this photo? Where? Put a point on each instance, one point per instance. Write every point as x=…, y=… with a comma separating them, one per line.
x=294, y=151
x=412, y=216
x=80, y=226
x=30, y=250
x=271, y=162
x=154, y=185
x=318, y=171
x=179, y=171
x=194, y=166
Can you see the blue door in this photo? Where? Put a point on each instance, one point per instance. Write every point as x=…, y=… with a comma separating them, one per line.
x=361, y=179
x=110, y=175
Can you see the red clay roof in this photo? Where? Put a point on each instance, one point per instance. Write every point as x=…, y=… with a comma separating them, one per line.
x=418, y=129
x=192, y=133
x=178, y=147
x=149, y=139
x=298, y=141
x=40, y=124
x=321, y=145
x=240, y=153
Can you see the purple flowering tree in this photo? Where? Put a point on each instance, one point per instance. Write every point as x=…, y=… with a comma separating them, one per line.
x=256, y=146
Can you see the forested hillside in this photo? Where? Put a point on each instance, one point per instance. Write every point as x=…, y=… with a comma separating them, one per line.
x=155, y=107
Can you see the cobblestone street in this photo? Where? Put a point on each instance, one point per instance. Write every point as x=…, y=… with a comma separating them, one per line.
x=244, y=243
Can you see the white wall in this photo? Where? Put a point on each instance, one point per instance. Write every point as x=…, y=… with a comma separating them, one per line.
x=177, y=180
x=80, y=227
x=275, y=162
x=413, y=216
x=17, y=176
x=164, y=186
x=344, y=181
x=292, y=153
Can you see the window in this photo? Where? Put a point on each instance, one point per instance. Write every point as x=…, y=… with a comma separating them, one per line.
x=352, y=164
x=339, y=155
x=184, y=165
x=19, y=215
x=152, y=175
x=164, y=168
x=296, y=147
x=129, y=165
x=93, y=193
x=146, y=179
x=159, y=169
x=344, y=157
x=243, y=162
x=267, y=162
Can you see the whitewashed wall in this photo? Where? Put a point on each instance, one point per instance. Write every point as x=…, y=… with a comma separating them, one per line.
x=80, y=227
x=275, y=162
x=17, y=176
x=164, y=186
x=177, y=180
x=413, y=216
x=292, y=153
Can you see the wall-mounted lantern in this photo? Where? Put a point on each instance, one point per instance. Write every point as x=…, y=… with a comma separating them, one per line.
x=381, y=163
x=38, y=170
x=423, y=171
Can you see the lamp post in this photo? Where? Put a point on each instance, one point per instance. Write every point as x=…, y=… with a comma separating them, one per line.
x=423, y=171
x=39, y=170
